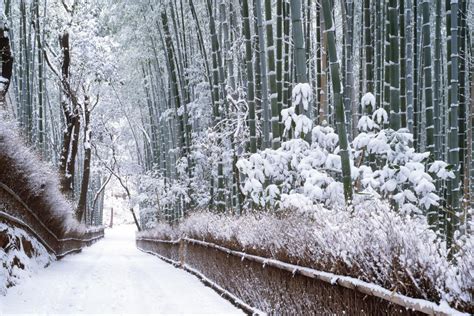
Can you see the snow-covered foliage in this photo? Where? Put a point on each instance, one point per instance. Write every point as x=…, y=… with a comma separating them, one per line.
x=368, y=102
x=302, y=97
x=295, y=168
x=388, y=163
x=156, y=196
x=164, y=191
x=20, y=255
x=374, y=243
x=383, y=163
x=34, y=182
x=91, y=43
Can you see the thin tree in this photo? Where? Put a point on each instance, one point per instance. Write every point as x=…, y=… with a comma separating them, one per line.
x=250, y=80
x=338, y=102
x=453, y=193
x=279, y=59
x=86, y=170
x=428, y=85
x=262, y=73
x=218, y=88
x=394, y=59
x=6, y=60
x=272, y=76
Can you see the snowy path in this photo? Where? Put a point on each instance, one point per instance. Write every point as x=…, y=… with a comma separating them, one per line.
x=112, y=276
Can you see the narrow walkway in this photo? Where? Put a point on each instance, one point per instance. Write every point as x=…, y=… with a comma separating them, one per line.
x=112, y=276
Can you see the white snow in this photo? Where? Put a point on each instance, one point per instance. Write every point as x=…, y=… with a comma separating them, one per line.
x=113, y=276
x=380, y=116
x=302, y=94
x=10, y=272
x=368, y=99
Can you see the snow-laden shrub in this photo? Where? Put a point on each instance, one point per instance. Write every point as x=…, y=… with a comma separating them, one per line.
x=295, y=168
x=297, y=174
x=388, y=163
x=383, y=163
x=156, y=196
x=374, y=243
x=299, y=123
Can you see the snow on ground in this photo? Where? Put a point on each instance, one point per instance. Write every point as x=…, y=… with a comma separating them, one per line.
x=113, y=276
x=15, y=255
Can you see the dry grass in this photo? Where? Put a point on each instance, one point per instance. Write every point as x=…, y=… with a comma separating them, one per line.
x=34, y=182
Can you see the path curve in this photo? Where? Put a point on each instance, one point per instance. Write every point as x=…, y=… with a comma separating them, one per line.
x=112, y=276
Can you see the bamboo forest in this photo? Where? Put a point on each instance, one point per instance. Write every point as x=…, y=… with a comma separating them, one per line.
x=301, y=157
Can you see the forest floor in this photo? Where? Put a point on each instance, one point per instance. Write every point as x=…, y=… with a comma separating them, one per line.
x=113, y=276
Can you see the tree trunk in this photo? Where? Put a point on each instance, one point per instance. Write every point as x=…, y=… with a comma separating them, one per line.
x=428, y=86
x=272, y=76
x=394, y=58
x=338, y=104
x=250, y=80
x=454, y=196
x=279, y=62
x=111, y=224
x=86, y=171
x=409, y=64
x=298, y=39
x=262, y=74
x=437, y=84
x=7, y=63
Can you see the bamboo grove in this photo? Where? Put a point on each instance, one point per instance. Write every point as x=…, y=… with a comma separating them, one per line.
x=212, y=78
x=414, y=56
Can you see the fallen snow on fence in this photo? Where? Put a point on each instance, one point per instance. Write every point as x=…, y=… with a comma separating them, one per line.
x=377, y=245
